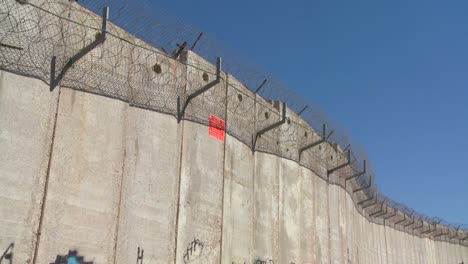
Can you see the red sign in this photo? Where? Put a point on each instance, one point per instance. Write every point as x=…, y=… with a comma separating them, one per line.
x=216, y=128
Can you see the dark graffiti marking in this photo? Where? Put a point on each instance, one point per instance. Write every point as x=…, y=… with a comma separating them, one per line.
x=8, y=254
x=140, y=256
x=194, y=250
x=264, y=261
x=71, y=258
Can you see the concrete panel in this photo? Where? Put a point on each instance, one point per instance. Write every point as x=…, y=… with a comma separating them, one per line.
x=336, y=237
x=27, y=117
x=201, y=197
x=322, y=235
x=239, y=171
x=464, y=250
x=343, y=226
x=149, y=188
x=266, y=203
x=290, y=192
x=82, y=204
x=383, y=243
x=351, y=230
x=308, y=218
x=289, y=211
x=375, y=246
x=202, y=169
x=431, y=247
x=238, y=202
x=391, y=249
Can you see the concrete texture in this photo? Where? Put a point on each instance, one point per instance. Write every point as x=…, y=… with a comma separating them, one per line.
x=200, y=216
x=266, y=203
x=83, y=196
x=27, y=117
x=150, y=184
x=120, y=182
x=105, y=171
x=239, y=168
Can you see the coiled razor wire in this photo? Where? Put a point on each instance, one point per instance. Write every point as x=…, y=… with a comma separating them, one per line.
x=144, y=61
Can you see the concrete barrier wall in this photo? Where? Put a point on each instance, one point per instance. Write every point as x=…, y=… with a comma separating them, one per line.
x=127, y=183
x=86, y=178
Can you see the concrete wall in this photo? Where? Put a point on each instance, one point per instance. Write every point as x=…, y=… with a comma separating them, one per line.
x=106, y=172
x=119, y=182
x=126, y=182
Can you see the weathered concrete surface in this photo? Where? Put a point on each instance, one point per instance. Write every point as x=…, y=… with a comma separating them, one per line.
x=238, y=203
x=114, y=187
x=336, y=246
x=239, y=168
x=201, y=196
x=202, y=172
x=267, y=190
x=307, y=220
x=82, y=203
x=27, y=116
x=290, y=176
x=266, y=201
x=150, y=187
x=322, y=220
x=289, y=212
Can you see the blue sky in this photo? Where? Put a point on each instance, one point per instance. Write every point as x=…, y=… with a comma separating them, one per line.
x=394, y=74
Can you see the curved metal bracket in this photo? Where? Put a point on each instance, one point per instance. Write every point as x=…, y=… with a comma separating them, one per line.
x=390, y=216
x=181, y=110
x=430, y=230
x=100, y=38
x=302, y=110
x=366, y=200
x=369, y=205
x=412, y=222
x=374, y=214
x=401, y=221
x=316, y=143
x=365, y=187
x=364, y=165
x=339, y=167
x=442, y=233
x=456, y=233
x=270, y=127
x=260, y=86
x=417, y=227
x=384, y=212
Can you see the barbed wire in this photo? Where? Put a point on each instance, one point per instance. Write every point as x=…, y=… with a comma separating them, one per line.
x=142, y=58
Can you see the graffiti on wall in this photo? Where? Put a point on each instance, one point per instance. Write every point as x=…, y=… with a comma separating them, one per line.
x=193, y=251
x=7, y=256
x=140, y=256
x=71, y=258
x=264, y=261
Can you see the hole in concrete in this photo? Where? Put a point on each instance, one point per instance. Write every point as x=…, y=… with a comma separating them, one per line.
x=331, y=157
x=239, y=97
x=305, y=134
x=289, y=121
x=277, y=142
x=267, y=115
x=320, y=147
x=157, y=68
x=205, y=77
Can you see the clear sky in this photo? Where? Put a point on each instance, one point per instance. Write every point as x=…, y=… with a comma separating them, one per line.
x=393, y=73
